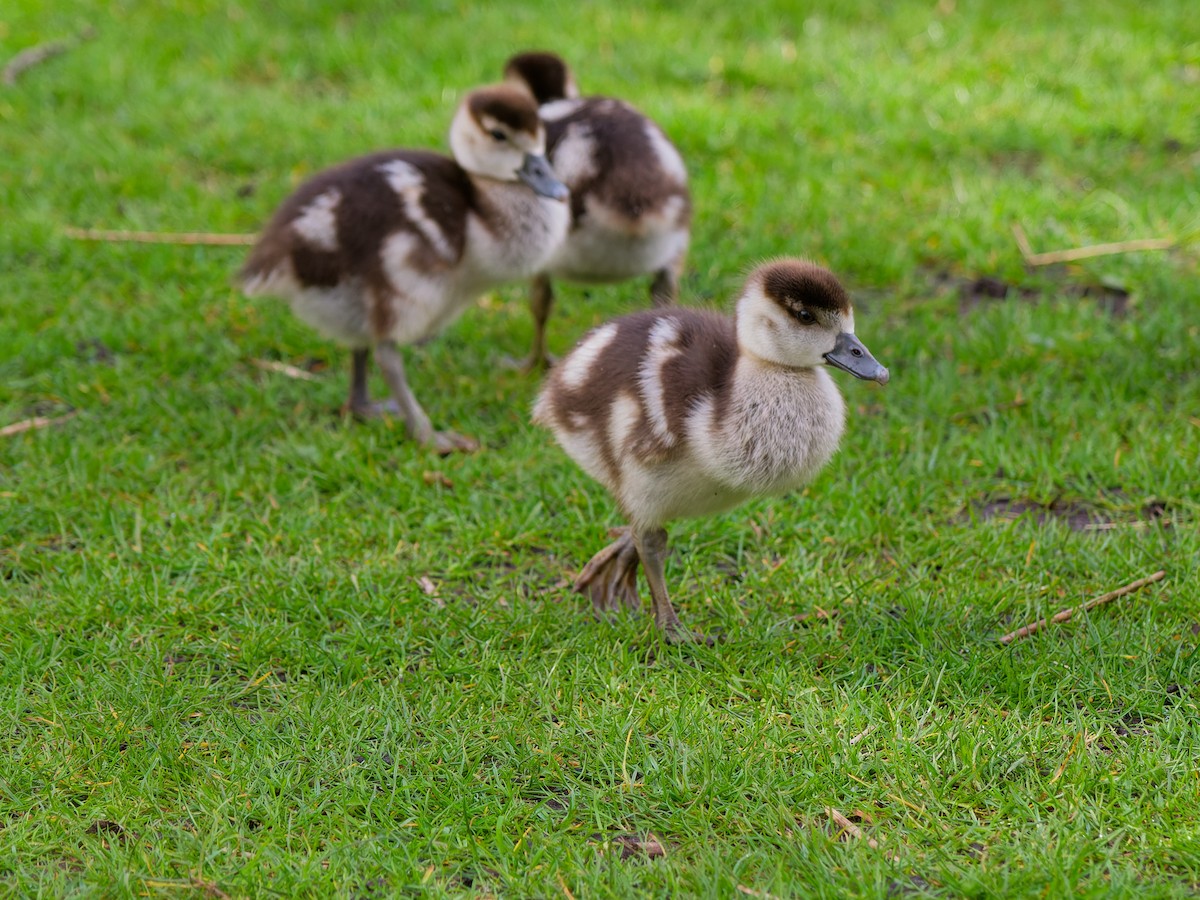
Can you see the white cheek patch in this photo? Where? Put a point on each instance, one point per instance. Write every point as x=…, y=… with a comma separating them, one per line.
x=660, y=351
x=668, y=157
x=409, y=184
x=490, y=124
x=316, y=223
x=576, y=367
x=476, y=151
x=763, y=320
x=848, y=322
x=521, y=140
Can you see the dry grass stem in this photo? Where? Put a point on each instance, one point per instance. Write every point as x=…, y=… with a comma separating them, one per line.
x=862, y=734
x=839, y=819
x=750, y=892
x=431, y=591
x=1015, y=403
x=1065, y=614
x=1077, y=253
x=844, y=823
x=283, y=368
x=162, y=237
x=35, y=423
x=35, y=56
x=1109, y=526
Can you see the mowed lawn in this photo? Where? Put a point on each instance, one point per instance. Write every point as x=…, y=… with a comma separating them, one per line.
x=248, y=648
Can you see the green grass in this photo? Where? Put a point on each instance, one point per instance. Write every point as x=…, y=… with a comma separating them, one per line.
x=219, y=669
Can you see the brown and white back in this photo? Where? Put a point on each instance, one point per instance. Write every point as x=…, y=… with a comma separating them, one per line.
x=390, y=248
x=684, y=413
x=630, y=205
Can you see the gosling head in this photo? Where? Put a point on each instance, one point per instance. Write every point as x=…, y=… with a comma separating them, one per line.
x=497, y=134
x=544, y=75
x=794, y=313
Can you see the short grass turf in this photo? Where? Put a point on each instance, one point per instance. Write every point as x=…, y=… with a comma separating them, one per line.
x=249, y=649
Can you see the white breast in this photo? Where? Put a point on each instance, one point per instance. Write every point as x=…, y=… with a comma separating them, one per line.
x=523, y=231
x=779, y=428
x=605, y=246
x=680, y=488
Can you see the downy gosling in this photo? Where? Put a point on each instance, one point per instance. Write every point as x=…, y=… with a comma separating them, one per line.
x=388, y=249
x=683, y=413
x=630, y=206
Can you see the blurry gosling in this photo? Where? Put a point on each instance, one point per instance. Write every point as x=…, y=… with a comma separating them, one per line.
x=630, y=207
x=684, y=413
x=390, y=248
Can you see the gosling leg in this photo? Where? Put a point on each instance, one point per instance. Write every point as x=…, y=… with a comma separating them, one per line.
x=541, y=301
x=652, y=548
x=359, y=402
x=664, y=290
x=416, y=423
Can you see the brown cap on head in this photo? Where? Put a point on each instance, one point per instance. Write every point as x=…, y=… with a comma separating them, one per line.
x=506, y=104
x=546, y=75
x=796, y=283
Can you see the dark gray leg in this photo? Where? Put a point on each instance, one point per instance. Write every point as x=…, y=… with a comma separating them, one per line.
x=359, y=397
x=541, y=301
x=359, y=403
x=664, y=290
x=417, y=424
x=652, y=548
x=610, y=577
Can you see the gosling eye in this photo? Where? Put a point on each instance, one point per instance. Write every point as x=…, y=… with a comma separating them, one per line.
x=806, y=317
x=498, y=134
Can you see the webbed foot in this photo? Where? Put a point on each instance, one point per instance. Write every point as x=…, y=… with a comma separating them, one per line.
x=447, y=442
x=534, y=362
x=366, y=410
x=610, y=577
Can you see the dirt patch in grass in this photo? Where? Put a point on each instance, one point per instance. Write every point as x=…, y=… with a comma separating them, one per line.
x=1077, y=515
x=1109, y=298
x=108, y=828
x=1024, y=161
x=94, y=350
x=975, y=291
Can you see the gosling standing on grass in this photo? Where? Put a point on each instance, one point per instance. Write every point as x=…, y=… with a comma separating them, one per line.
x=683, y=413
x=390, y=248
x=631, y=212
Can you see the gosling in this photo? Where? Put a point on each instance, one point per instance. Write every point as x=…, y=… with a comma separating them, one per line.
x=630, y=205
x=389, y=249
x=685, y=413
